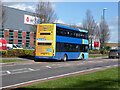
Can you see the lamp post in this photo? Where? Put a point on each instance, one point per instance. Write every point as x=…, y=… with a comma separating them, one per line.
x=104, y=12
x=103, y=26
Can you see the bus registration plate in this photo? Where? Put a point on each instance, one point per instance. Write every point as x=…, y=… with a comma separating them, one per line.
x=48, y=50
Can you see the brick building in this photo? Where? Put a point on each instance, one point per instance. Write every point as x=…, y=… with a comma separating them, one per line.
x=17, y=28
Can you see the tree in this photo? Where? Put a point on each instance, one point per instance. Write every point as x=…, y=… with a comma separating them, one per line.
x=45, y=12
x=90, y=24
x=104, y=33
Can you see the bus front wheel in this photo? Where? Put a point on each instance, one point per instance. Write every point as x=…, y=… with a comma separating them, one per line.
x=65, y=58
x=82, y=57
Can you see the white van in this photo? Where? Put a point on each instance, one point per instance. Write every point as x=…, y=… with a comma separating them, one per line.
x=14, y=46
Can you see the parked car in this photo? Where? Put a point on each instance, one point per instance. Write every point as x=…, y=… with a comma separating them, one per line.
x=3, y=44
x=114, y=53
x=14, y=46
x=8, y=48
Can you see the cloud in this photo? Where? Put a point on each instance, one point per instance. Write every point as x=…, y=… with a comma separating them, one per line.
x=113, y=37
x=53, y=6
x=59, y=21
x=28, y=6
x=22, y=6
x=79, y=24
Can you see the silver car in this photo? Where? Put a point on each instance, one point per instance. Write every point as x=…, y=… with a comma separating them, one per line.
x=114, y=53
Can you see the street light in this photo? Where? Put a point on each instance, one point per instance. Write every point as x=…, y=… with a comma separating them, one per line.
x=103, y=25
x=104, y=12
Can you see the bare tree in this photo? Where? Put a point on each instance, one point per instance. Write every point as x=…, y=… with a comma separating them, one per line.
x=45, y=12
x=104, y=33
x=90, y=24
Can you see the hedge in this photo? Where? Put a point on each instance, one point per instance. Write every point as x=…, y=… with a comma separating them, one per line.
x=98, y=52
x=17, y=53
x=28, y=53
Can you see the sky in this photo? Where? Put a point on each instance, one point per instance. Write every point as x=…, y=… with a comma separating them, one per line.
x=75, y=12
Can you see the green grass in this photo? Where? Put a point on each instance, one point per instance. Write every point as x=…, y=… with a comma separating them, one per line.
x=100, y=79
x=12, y=60
x=98, y=55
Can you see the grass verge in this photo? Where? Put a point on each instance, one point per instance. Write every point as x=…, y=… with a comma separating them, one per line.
x=100, y=79
x=98, y=55
x=12, y=60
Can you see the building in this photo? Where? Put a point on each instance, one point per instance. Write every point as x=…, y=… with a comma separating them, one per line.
x=17, y=27
x=112, y=45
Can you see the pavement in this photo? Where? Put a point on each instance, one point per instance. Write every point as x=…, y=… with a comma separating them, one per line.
x=20, y=73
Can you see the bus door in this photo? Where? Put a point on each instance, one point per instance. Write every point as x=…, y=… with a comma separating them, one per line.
x=45, y=45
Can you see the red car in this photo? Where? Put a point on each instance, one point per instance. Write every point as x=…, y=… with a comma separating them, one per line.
x=3, y=44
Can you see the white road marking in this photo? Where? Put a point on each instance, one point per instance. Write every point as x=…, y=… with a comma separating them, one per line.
x=31, y=69
x=108, y=66
x=48, y=66
x=8, y=72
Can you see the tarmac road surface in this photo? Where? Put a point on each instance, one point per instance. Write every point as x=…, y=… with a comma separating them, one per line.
x=29, y=70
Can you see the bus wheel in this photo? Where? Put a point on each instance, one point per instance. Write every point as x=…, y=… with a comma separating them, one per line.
x=35, y=59
x=65, y=58
x=82, y=57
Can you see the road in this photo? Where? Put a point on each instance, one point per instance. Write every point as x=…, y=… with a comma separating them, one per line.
x=17, y=73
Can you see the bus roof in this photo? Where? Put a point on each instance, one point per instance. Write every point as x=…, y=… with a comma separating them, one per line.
x=71, y=28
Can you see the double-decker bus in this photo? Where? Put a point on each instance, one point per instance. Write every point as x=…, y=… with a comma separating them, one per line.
x=60, y=42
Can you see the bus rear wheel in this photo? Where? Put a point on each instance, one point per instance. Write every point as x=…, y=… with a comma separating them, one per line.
x=35, y=59
x=65, y=58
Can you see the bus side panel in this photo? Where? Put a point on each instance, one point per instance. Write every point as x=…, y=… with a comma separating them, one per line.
x=71, y=55
x=68, y=40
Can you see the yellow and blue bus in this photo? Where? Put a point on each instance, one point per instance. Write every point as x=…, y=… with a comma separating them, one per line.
x=60, y=42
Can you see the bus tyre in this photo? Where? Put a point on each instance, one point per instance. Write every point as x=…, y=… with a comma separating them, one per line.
x=82, y=57
x=35, y=59
x=65, y=58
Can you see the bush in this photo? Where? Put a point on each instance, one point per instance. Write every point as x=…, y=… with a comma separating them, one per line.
x=106, y=52
x=98, y=52
x=4, y=52
x=101, y=51
x=108, y=48
x=18, y=52
x=29, y=52
x=94, y=52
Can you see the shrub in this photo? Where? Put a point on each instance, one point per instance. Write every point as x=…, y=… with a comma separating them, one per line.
x=101, y=51
x=18, y=52
x=98, y=52
x=107, y=47
x=106, y=52
x=4, y=52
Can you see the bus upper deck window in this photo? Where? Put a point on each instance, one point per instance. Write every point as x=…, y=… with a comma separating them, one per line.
x=44, y=33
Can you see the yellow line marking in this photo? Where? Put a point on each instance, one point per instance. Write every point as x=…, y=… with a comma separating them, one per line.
x=80, y=55
x=79, y=30
x=82, y=41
